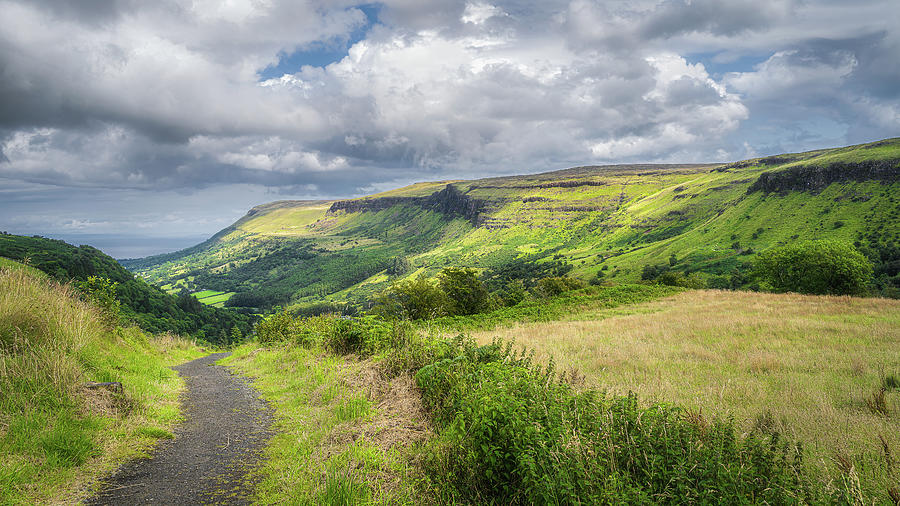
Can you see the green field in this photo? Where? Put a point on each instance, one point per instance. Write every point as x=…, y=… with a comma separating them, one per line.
x=679, y=389
x=212, y=297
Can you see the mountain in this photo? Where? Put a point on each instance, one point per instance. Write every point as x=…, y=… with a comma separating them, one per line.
x=618, y=222
x=148, y=306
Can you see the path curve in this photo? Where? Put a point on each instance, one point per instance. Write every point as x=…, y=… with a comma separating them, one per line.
x=215, y=449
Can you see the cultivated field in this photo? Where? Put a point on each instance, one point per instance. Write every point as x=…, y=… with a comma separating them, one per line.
x=811, y=368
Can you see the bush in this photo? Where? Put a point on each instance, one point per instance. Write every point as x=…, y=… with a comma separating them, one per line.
x=513, y=293
x=551, y=287
x=651, y=272
x=341, y=335
x=465, y=293
x=412, y=299
x=509, y=433
x=676, y=278
x=101, y=292
x=277, y=327
x=815, y=267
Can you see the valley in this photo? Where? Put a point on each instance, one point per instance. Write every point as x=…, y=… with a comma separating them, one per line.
x=606, y=223
x=614, y=334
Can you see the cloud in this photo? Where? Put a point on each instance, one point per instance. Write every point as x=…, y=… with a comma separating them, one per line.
x=167, y=96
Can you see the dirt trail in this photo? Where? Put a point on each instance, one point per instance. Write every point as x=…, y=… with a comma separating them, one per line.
x=209, y=461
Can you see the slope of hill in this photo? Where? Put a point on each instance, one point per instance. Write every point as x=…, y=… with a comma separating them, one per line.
x=148, y=306
x=57, y=434
x=608, y=221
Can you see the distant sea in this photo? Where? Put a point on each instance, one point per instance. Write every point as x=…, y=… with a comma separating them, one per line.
x=130, y=246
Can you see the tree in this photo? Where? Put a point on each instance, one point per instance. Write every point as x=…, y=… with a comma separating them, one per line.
x=413, y=299
x=466, y=294
x=815, y=267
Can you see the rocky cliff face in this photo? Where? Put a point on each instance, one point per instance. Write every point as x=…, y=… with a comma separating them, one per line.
x=449, y=201
x=815, y=178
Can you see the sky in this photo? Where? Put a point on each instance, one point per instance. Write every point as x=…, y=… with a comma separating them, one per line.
x=144, y=127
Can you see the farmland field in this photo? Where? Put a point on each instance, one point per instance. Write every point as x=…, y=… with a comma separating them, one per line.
x=213, y=298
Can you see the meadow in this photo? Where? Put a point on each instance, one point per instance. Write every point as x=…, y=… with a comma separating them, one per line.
x=213, y=297
x=809, y=367
x=640, y=396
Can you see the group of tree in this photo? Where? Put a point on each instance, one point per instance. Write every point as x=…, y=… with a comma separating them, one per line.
x=821, y=267
x=111, y=286
x=458, y=291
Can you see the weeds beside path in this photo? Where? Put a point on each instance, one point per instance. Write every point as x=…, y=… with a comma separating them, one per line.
x=216, y=450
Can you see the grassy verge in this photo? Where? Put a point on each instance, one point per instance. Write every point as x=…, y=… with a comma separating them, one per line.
x=57, y=437
x=345, y=432
x=811, y=368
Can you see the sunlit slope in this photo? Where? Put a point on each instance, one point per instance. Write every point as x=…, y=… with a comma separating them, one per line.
x=609, y=219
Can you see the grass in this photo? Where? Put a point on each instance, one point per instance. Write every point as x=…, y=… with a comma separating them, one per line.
x=809, y=367
x=213, y=298
x=57, y=437
x=344, y=433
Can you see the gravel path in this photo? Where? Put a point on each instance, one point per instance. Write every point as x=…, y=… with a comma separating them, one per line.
x=226, y=426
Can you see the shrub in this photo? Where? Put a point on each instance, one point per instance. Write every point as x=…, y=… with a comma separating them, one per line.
x=413, y=299
x=341, y=335
x=650, y=272
x=551, y=287
x=101, y=292
x=509, y=433
x=466, y=294
x=277, y=327
x=815, y=267
x=513, y=293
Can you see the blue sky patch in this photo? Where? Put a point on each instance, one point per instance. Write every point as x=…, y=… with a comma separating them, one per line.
x=320, y=54
x=717, y=69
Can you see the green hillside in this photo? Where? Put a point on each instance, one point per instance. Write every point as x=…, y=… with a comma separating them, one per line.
x=148, y=306
x=610, y=221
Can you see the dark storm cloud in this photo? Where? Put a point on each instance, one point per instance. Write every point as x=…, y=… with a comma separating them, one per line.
x=92, y=12
x=729, y=18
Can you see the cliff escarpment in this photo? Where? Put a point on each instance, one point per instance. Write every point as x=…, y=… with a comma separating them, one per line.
x=815, y=178
x=449, y=201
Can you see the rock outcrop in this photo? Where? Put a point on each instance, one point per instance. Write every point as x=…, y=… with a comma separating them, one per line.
x=815, y=178
x=449, y=201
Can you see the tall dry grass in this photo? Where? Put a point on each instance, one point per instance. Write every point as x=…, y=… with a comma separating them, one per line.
x=56, y=436
x=42, y=326
x=807, y=366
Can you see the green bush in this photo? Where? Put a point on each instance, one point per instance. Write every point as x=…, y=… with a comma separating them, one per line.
x=508, y=433
x=341, y=335
x=411, y=299
x=677, y=278
x=101, y=292
x=815, y=267
x=553, y=286
x=277, y=327
x=513, y=293
x=466, y=294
